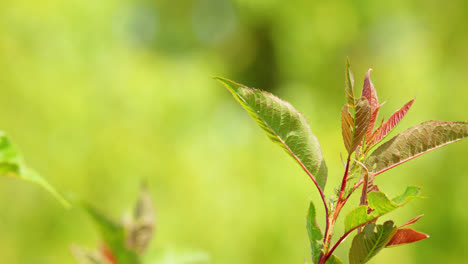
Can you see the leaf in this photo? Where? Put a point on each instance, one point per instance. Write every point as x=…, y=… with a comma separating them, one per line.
x=315, y=235
x=349, y=85
x=358, y=125
x=406, y=236
x=380, y=204
x=333, y=259
x=12, y=165
x=284, y=125
x=368, y=243
x=369, y=92
x=113, y=235
x=414, y=142
x=412, y=221
x=141, y=227
x=347, y=123
x=387, y=127
x=361, y=121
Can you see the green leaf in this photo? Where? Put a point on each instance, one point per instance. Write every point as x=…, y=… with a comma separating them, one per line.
x=414, y=142
x=381, y=205
x=315, y=235
x=12, y=165
x=354, y=129
x=349, y=85
x=284, y=125
x=113, y=235
x=333, y=259
x=368, y=243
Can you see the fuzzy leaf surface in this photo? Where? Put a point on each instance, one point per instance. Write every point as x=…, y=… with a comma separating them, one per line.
x=284, y=125
x=414, y=142
x=361, y=121
x=405, y=236
x=12, y=165
x=380, y=205
x=354, y=129
x=369, y=242
x=387, y=127
x=113, y=235
x=315, y=235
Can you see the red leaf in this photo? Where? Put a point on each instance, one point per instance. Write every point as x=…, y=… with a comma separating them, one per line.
x=391, y=123
x=412, y=221
x=369, y=92
x=406, y=236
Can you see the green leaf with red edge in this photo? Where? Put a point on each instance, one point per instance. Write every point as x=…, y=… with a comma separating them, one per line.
x=113, y=234
x=380, y=204
x=349, y=85
x=13, y=165
x=383, y=130
x=414, y=142
x=284, y=125
x=315, y=235
x=405, y=236
x=369, y=92
x=369, y=242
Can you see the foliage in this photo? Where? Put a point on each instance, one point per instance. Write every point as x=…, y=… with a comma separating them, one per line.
x=13, y=165
x=288, y=127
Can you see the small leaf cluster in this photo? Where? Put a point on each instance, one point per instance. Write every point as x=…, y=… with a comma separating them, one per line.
x=127, y=241
x=367, y=157
x=122, y=242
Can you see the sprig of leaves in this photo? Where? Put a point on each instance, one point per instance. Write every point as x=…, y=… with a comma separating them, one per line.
x=289, y=128
x=122, y=243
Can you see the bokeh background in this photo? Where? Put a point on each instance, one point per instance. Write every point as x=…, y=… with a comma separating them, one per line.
x=100, y=95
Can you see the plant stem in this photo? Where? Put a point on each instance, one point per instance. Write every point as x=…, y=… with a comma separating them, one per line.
x=322, y=195
x=341, y=240
x=345, y=179
x=331, y=218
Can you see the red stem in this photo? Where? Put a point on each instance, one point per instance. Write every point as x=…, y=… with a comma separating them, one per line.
x=318, y=188
x=342, y=238
x=338, y=243
x=331, y=219
x=345, y=179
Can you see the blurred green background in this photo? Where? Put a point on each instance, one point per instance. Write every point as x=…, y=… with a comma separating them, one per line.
x=102, y=94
